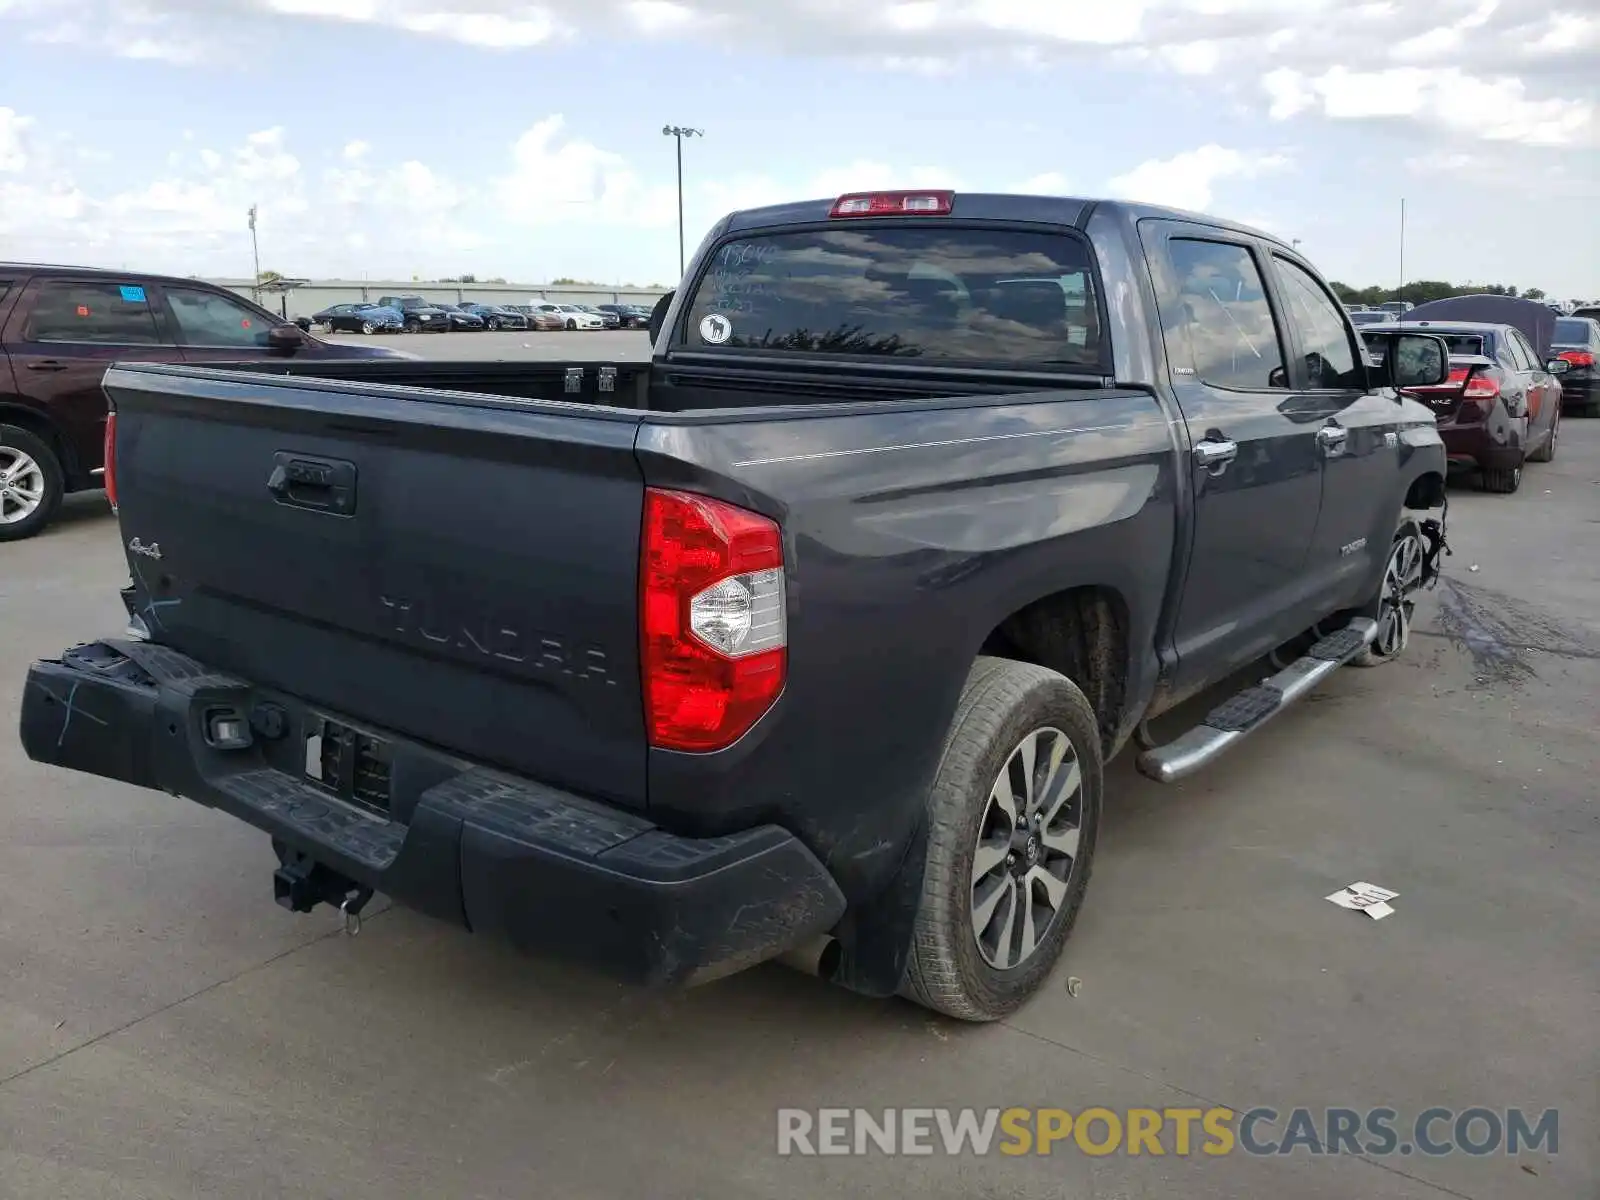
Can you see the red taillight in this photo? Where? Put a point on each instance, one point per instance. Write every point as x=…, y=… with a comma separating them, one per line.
x=1481, y=387
x=111, y=459
x=893, y=204
x=1578, y=358
x=712, y=621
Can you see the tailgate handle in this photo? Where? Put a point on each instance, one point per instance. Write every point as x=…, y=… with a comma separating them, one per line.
x=320, y=484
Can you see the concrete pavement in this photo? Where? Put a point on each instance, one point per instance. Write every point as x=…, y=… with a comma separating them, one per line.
x=166, y=1031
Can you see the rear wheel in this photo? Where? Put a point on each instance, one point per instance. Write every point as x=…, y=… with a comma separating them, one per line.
x=1012, y=819
x=571, y=324
x=494, y=324
x=1503, y=480
x=31, y=483
x=1396, y=602
x=368, y=328
x=1547, y=452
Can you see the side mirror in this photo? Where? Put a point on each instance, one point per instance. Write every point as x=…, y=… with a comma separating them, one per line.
x=658, y=316
x=1412, y=360
x=1558, y=366
x=285, y=339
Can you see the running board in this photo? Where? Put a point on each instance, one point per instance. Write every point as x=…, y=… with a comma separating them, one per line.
x=1241, y=715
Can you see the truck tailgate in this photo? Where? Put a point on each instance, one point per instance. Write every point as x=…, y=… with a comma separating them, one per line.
x=455, y=567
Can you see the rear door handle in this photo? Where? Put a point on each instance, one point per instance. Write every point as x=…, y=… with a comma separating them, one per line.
x=1214, y=455
x=47, y=364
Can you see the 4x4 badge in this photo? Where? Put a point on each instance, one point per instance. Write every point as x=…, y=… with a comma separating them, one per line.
x=153, y=550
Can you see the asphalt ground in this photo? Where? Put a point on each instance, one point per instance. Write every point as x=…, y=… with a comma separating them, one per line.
x=166, y=1031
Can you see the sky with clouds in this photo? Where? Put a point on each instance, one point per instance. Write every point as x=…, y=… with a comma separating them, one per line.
x=401, y=138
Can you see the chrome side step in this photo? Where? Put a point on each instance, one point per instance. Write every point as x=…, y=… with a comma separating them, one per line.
x=1241, y=715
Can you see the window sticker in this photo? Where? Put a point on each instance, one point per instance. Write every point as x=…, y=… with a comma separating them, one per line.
x=716, y=329
x=133, y=295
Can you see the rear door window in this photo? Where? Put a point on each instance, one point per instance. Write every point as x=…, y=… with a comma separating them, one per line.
x=1521, y=353
x=209, y=319
x=94, y=312
x=1217, y=322
x=936, y=293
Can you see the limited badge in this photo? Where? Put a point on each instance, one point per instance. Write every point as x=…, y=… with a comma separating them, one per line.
x=715, y=329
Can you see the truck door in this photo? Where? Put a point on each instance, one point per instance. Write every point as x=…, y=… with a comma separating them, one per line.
x=1357, y=436
x=62, y=336
x=1255, y=470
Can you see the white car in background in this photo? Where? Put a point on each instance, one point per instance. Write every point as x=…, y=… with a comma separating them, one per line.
x=579, y=318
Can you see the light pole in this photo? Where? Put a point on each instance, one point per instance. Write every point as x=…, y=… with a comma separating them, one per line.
x=255, y=250
x=680, y=132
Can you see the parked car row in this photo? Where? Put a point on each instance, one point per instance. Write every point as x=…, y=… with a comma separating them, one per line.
x=1515, y=370
x=417, y=314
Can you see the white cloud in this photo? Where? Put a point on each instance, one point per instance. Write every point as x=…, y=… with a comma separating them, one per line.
x=315, y=220
x=654, y=17
x=1193, y=58
x=1187, y=180
x=554, y=179
x=1525, y=54
x=1495, y=109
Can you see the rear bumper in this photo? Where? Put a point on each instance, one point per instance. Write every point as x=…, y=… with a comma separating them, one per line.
x=552, y=872
x=1579, y=393
x=1476, y=446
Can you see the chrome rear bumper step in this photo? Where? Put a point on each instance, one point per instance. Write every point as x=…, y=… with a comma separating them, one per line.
x=1243, y=713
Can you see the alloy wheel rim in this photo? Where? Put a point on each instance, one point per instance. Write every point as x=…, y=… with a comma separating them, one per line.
x=1027, y=849
x=1402, y=579
x=21, y=485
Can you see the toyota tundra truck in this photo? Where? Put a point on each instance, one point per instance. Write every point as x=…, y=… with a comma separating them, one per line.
x=807, y=639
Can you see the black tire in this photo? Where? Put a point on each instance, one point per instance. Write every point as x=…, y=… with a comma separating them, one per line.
x=1002, y=705
x=52, y=477
x=1547, y=452
x=412, y=326
x=571, y=324
x=1401, y=585
x=368, y=328
x=494, y=324
x=1502, y=480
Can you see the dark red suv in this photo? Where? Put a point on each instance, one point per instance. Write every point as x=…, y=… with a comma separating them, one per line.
x=61, y=327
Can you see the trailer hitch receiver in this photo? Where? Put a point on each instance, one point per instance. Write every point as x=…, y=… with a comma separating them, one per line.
x=301, y=884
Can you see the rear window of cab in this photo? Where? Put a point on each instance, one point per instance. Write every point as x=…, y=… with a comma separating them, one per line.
x=935, y=293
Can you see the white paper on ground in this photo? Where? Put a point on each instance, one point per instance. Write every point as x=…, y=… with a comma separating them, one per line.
x=1365, y=897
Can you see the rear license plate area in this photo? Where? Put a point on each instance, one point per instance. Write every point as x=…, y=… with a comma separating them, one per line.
x=355, y=766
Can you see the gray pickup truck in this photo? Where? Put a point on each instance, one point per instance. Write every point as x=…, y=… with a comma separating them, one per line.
x=808, y=638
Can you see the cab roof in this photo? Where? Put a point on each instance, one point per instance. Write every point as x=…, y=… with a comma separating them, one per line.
x=994, y=206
